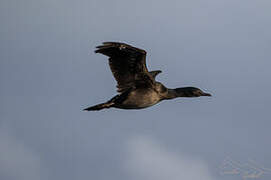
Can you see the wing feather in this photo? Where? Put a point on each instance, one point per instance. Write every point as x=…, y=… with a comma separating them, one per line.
x=128, y=65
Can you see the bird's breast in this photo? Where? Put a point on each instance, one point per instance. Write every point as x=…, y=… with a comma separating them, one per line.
x=140, y=98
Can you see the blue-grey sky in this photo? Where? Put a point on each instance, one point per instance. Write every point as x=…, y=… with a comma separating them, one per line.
x=49, y=73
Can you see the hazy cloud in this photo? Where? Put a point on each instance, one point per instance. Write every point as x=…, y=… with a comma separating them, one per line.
x=149, y=160
x=17, y=161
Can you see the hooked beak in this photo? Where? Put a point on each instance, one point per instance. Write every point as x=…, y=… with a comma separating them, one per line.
x=206, y=94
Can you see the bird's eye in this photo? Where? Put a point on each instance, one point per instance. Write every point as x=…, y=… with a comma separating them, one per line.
x=198, y=93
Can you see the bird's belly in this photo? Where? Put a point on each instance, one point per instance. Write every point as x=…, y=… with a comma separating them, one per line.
x=139, y=100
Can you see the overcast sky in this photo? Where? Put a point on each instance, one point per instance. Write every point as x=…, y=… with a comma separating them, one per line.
x=49, y=73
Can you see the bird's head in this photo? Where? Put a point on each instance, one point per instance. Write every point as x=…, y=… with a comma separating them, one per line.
x=191, y=92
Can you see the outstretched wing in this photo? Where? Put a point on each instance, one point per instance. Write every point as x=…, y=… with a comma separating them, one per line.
x=128, y=65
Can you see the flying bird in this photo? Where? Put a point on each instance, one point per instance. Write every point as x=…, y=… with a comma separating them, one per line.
x=136, y=85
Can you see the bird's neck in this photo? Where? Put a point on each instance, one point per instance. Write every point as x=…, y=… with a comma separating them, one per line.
x=178, y=92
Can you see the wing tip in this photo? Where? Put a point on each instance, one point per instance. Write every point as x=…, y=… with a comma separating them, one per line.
x=120, y=45
x=107, y=45
x=102, y=47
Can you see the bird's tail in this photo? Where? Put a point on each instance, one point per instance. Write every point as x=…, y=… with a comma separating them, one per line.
x=99, y=106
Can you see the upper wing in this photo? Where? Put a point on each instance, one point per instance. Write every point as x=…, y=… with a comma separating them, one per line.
x=155, y=73
x=128, y=65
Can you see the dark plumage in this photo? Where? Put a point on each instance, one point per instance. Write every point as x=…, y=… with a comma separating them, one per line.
x=137, y=86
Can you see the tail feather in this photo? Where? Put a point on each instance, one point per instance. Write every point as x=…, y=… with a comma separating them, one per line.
x=99, y=106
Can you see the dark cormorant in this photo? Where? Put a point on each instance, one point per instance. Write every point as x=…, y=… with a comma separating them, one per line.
x=136, y=85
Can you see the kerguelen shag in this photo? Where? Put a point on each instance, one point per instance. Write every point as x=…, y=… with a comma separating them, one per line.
x=136, y=85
